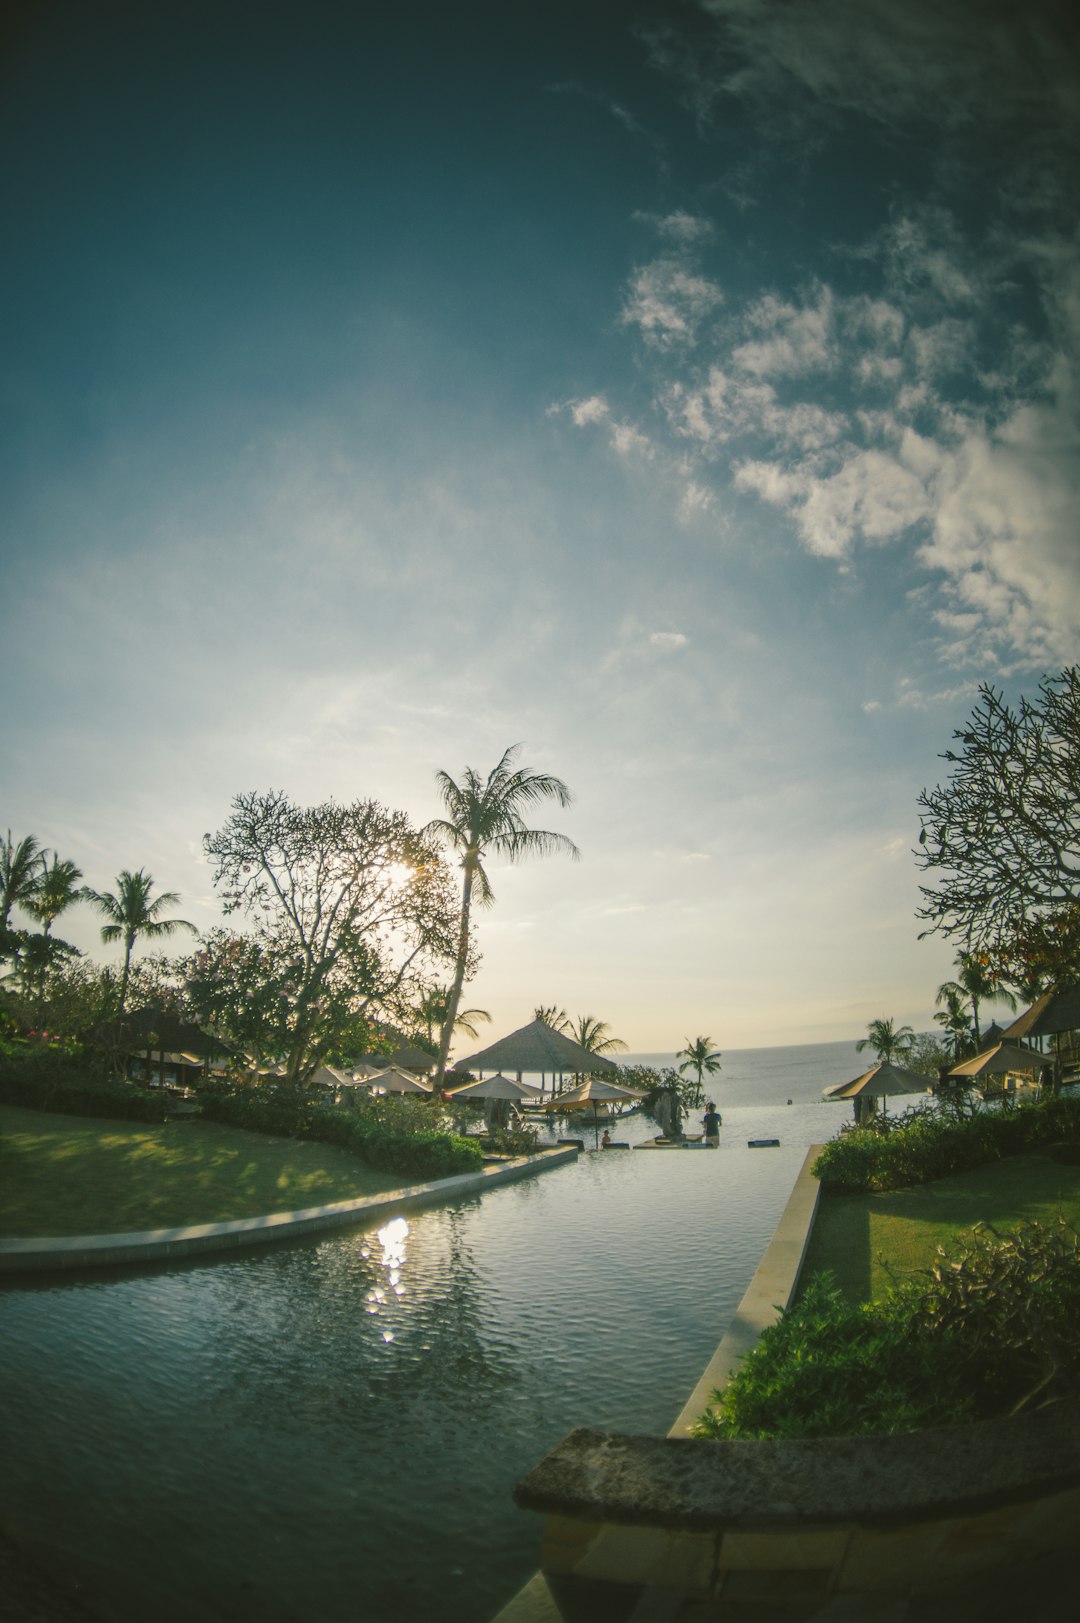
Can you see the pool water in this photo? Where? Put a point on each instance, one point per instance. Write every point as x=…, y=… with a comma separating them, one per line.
x=329, y=1430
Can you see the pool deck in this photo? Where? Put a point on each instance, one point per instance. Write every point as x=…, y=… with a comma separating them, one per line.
x=52, y=1253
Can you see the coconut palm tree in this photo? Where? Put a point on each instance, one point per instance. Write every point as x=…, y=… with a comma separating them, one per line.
x=955, y=1018
x=132, y=914
x=19, y=875
x=976, y=983
x=699, y=1056
x=485, y=818
x=557, y=1019
x=56, y=890
x=433, y=1011
x=595, y=1035
x=889, y=1042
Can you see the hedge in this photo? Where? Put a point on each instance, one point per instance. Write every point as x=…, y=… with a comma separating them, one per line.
x=69, y=1083
x=923, y=1144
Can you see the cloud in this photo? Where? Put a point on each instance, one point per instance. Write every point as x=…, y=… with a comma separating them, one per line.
x=668, y=642
x=593, y=410
x=667, y=302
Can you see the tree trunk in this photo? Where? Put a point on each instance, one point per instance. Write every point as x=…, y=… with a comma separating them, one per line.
x=459, y=974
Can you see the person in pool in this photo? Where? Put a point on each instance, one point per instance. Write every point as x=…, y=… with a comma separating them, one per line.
x=711, y=1124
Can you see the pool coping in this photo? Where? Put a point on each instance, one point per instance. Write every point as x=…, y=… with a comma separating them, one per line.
x=54, y=1253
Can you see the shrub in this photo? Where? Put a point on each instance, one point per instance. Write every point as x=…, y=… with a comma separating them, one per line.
x=72, y=1083
x=924, y=1143
x=392, y=1134
x=986, y=1333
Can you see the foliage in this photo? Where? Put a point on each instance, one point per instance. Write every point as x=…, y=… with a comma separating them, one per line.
x=519, y=1140
x=990, y=1331
x=18, y=875
x=700, y=1057
x=955, y=1020
x=891, y=1043
x=925, y=1143
x=927, y=1055
x=485, y=817
x=1001, y=838
x=130, y=914
x=977, y=982
x=595, y=1036
x=828, y=1368
x=392, y=1133
x=68, y=1080
x=351, y=909
x=556, y=1018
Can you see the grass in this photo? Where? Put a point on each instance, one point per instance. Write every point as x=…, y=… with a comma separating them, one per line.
x=862, y=1237
x=72, y=1175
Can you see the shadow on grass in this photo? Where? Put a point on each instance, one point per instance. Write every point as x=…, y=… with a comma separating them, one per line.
x=868, y=1241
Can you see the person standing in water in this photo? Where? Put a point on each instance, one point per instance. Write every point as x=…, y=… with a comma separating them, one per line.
x=711, y=1124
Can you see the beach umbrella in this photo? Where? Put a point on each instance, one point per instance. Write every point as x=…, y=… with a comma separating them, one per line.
x=394, y=1080
x=593, y=1091
x=412, y=1058
x=537, y=1047
x=496, y=1087
x=881, y=1081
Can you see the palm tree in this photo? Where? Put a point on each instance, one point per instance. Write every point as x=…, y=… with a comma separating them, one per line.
x=18, y=875
x=954, y=1017
x=132, y=914
x=557, y=1019
x=433, y=1011
x=485, y=818
x=595, y=1035
x=888, y=1042
x=700, y=1056
x=57, y=889
x=976, y=982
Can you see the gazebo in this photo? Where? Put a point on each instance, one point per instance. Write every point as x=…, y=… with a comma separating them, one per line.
x=537, y=1047
x=881, y=1081
x=1053, y=1015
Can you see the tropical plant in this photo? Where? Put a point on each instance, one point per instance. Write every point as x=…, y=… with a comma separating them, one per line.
x=954, y=1018
x=557, y=1019
x=889, y=1042
x=432, y=1013
x=976, y=981
x=700, y=1057
x=57, y=888
x=132, y=914
x=485, y=818
x=595, y=1036
x=19, y=876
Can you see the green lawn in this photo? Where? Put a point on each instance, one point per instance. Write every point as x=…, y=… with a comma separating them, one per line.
x=71, y=1175
x=862, y=1237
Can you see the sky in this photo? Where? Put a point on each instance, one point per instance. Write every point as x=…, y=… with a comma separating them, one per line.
x=686, y=392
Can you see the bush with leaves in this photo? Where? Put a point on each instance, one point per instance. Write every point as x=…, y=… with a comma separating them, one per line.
x=72, y=1081
x=989, y=1332
x=925, y=1143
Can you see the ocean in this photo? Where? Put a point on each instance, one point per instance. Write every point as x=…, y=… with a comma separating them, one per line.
x=771, y=1076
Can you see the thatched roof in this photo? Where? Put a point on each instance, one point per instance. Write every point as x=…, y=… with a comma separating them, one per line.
x=536, y=1047
x=1053, y=1012
x=881, y=1081
x=593, y=1091
x=996, y=1061
x=496, y=1087
x=411, y=1058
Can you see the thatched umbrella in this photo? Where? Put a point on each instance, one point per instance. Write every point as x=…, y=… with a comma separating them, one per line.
x=412, y=1058
x=881, y=1081
x=393, y=1080
x=1052, y=1015
x=499, y=1091
x=593, y=1091
x=537, y=1047
x=1000, y=1060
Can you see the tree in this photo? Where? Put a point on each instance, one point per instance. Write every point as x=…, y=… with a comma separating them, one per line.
x=18, y=878
x=433, y=1010
x=485, y=818
x=557, y=1019
x=1001, y=838
x=352, y=911
x=595, y=1036
x=954, y=1018
x=699, y=1056
x=889, y=1042
x=977, y=983
x=56, y=890
x=132, y=914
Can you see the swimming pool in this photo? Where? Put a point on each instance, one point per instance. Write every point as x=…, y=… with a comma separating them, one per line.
x=329, y=1430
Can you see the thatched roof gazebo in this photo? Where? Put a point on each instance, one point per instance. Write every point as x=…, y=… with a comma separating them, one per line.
x=881, y=1081
x=1056, y=1014
x=537, y=1047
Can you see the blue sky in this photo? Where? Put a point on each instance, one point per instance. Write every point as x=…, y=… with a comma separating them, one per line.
x=688, y=392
